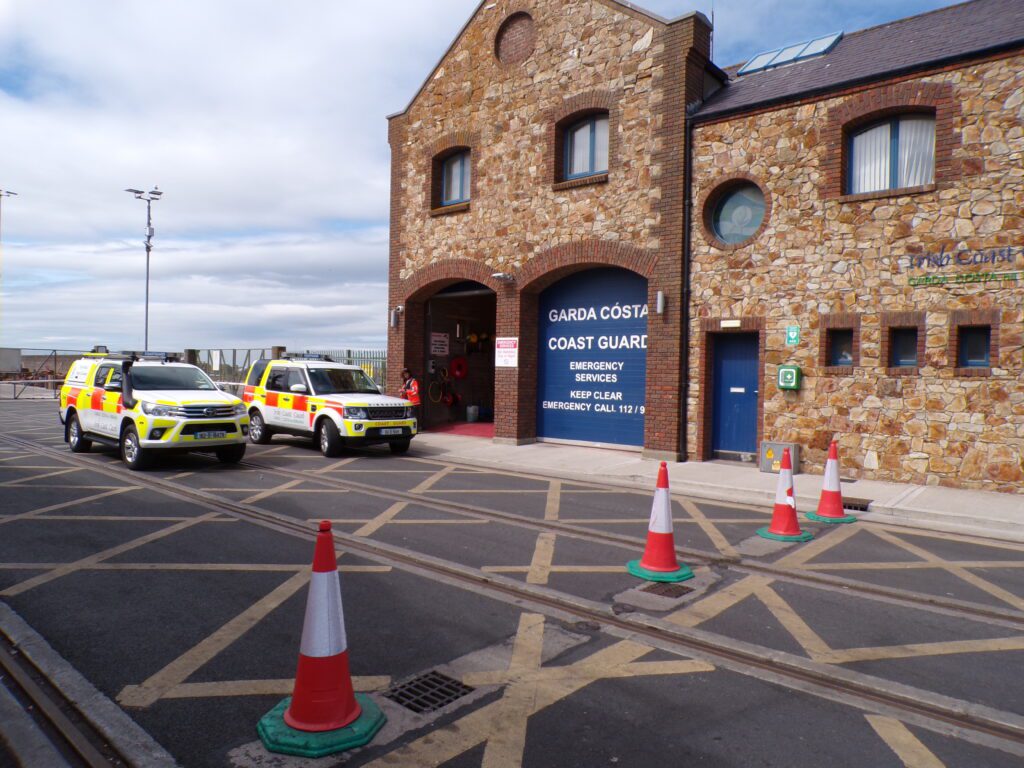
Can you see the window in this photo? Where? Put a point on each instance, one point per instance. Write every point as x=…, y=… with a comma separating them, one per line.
x=975, y=346
x=455, y=179
x=903, y=348
x=894, y=154
x=295, y=376
x=101, y=375
x=840, y=347
x=738, y=213
x=586, y=147
x=278, y=379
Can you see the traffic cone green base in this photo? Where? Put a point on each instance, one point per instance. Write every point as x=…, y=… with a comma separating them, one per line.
x=802, y=536
x=278, y=736
x=831, y=520
x=682, y=574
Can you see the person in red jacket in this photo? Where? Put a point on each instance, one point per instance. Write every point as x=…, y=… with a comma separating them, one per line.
x=411, y=389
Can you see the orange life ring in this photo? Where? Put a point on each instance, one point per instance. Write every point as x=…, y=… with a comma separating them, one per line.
x=459, y=368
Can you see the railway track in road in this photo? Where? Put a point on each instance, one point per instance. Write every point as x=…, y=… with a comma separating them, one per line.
x=1003, y=730
x=73, y=740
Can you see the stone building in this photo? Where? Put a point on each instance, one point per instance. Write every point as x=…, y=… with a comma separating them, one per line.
x=657, y=237
x=860, y=214
x=540, y=162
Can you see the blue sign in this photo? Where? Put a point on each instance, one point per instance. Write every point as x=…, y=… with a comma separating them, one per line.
x=592, y=372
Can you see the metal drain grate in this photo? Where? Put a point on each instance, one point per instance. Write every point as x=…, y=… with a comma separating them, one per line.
x=428, y=692
x=666, y=589
x=856, y=505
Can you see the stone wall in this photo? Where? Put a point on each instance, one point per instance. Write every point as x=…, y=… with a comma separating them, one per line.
x=505, y=113
x=822, y=254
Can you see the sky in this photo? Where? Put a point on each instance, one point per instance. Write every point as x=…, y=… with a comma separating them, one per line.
x=263, y=123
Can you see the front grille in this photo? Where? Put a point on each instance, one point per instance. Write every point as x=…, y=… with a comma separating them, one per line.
x=387, y=414
x=428, y=692
x=191, y=429
x=200, y=411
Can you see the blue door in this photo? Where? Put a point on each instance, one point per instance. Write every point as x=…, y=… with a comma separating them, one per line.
x=592, y=362
x=734, y=387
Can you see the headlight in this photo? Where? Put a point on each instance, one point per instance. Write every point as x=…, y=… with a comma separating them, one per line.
x=239, y=409
x=153, y=409
x=355, y=413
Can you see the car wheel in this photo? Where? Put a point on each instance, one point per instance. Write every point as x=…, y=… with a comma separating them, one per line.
x=132, y=452
x=259, y=432
x=328, y=438
x=76, y=439
x=230, y=454
x=399, y=446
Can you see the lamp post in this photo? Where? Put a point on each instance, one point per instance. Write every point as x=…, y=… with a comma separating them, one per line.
x=149, y=197
x=3, y=193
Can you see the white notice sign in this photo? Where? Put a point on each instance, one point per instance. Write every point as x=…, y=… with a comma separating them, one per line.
x=439, y=344
x=506, y=353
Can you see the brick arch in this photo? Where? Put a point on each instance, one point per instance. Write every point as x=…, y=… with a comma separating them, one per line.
x=560, y=261
x=424, y=283
x=887, y=101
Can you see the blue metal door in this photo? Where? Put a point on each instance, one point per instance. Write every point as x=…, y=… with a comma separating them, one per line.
x=734, y=388
x=592, y=362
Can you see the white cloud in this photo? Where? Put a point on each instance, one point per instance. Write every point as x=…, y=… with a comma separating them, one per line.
x=264, y=124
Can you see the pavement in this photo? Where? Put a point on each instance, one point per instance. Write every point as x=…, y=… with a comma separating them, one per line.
x=977, y=513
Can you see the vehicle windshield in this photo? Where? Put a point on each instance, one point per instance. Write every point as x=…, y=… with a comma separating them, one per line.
x=341, y=381
x=168, y=377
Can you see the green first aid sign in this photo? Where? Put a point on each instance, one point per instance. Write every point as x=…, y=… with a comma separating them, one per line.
x=792, y=335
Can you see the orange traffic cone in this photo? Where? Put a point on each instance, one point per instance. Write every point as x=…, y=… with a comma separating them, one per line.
x=324, y=715
x=659, y=561
x=784, y=525
x=830, y=505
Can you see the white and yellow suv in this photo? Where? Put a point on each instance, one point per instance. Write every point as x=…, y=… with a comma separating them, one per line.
x=338, y=405
x=144, y=406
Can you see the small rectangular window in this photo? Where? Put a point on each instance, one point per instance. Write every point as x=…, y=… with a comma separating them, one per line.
x=903, y=348
x=455, y=179
x=975, y=342
x=278, y=379
x=840, y=347
x=586, y=147
x=102, y=373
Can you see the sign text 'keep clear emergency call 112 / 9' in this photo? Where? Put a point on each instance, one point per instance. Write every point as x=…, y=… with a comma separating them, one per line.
x=593, y=358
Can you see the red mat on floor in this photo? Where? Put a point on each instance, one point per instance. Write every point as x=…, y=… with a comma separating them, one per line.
x=475, y=429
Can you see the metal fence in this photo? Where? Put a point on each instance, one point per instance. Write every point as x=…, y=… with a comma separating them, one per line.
x=38, y=373
x=373, y=361
x=34, y=373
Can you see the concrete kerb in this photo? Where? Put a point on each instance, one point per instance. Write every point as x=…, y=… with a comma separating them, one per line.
x=120, y=731
x=891, y=502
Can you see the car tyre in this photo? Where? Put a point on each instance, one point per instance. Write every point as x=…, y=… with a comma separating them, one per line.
x=328, y=438
x=399, y=447
x=230, y=454
x=259, y=432
x=76, y=437
x=133, y=454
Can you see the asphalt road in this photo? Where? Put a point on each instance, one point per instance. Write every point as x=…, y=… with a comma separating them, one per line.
x=188, y=614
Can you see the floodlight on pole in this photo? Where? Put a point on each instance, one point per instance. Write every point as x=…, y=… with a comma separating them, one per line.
x=151, y=196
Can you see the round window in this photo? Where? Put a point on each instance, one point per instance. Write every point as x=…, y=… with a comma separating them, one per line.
x=738, y=213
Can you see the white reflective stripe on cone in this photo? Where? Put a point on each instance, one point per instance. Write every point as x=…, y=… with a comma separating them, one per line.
x=323, y=631
x=661, y=512
x=782, y=491
x=831, y=475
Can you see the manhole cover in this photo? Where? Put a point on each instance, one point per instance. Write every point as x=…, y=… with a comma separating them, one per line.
x=428, y=692
x=856, y=505
x=665, y=589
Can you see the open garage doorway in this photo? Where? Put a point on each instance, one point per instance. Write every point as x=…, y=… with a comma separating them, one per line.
x=457, y=386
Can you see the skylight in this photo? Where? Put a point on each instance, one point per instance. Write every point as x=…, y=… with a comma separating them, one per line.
x=790, y=53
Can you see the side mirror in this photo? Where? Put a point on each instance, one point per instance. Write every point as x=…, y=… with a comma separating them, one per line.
x=112, y=388
x=300, y=388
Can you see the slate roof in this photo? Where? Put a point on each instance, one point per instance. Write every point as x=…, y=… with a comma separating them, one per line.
x=943, y=35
